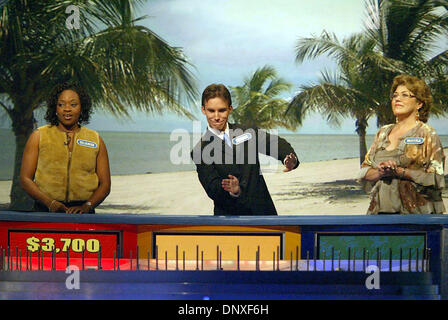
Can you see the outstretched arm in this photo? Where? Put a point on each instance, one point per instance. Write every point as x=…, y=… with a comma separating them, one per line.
x=277, y=147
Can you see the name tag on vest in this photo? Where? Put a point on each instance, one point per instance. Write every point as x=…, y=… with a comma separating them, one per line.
x=414, y=140
x=242, y=138
x=86, y=143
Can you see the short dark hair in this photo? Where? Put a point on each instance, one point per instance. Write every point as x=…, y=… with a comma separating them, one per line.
x=421, y=91
x=52, y=101
x=216, y=91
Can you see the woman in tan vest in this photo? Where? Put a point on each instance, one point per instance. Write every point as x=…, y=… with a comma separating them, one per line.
x=65, y=166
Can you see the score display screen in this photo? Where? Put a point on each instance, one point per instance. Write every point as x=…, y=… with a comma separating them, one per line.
x=60, y=242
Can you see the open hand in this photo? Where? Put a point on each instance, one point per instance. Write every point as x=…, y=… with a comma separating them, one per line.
x=231, y=185
x=57, y=206
x=79, y=209
x=290, y=162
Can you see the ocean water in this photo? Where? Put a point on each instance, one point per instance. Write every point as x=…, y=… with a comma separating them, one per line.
x=148, y=152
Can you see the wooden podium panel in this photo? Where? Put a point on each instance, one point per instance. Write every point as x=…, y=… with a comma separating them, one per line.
x=227, y=237
x=210, y=244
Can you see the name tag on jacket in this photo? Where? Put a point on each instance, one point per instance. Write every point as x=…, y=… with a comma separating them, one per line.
x=240, y=139
x=414, y=140
x=86, y=143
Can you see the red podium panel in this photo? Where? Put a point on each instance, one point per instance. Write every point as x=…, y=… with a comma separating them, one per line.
x=60, y=242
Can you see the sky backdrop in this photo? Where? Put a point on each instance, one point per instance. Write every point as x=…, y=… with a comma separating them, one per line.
x=227, y=40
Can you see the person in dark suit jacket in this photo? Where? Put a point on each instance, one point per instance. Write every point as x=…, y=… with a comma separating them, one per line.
x=227, y=160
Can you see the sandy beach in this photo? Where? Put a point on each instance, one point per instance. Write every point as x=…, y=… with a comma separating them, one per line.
x=314, y=188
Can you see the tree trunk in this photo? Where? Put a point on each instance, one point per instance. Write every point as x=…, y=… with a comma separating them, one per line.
x=361, y=126
x=22, y=127
x=384, y=115
x=362, y=147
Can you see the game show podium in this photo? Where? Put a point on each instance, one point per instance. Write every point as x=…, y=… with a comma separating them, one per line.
x=195, y=257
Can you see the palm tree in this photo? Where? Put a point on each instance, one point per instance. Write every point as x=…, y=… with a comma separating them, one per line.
x=408, y=32
x=398, y=38
x=122, y=65
x=256, y=101
x=348, y=92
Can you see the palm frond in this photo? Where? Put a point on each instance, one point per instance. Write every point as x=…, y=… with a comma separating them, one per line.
x=311, y=48
x=122, y=65
x=256, y=103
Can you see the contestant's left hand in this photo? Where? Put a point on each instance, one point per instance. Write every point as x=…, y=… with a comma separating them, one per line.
x=79, y=209
x=290, y=162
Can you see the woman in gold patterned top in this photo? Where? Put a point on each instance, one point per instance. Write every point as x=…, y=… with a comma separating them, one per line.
x=65, y=166
x=404, y=168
